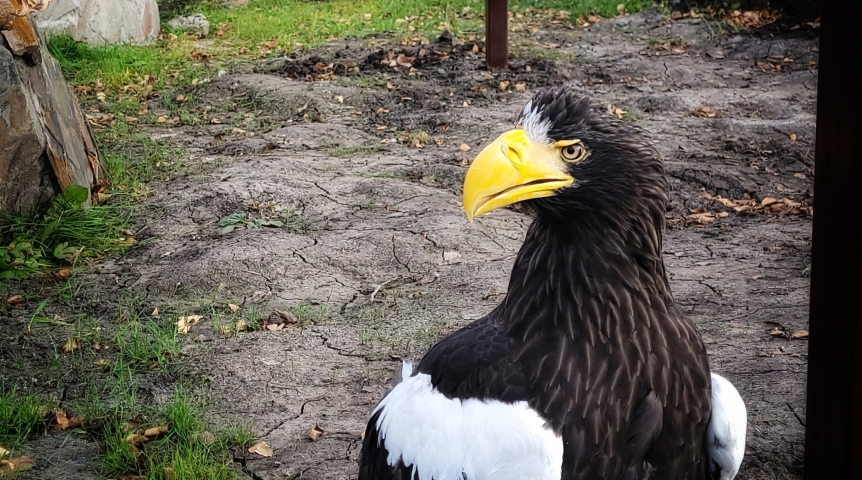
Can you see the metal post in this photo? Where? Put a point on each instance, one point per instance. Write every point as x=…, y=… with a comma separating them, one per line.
x=833, y=437
x=496, y=33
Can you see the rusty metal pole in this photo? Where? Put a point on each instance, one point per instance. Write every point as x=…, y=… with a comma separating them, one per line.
x=833, y=429
x=496, y=33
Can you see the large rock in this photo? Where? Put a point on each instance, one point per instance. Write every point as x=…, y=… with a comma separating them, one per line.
x=45, y=141
x=102, y=22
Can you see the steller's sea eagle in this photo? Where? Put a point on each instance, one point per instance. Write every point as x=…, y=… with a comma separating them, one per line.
x=588, y=369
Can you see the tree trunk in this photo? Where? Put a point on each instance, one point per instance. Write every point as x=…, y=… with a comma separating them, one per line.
x=46, y=143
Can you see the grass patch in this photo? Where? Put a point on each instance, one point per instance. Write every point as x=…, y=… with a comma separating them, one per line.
x=67, y=232
x=267, y=26
x=187, y=448
x=20, y=416
x=338, y=151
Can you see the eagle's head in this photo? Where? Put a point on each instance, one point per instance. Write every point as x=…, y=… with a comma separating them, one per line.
x=570, y=162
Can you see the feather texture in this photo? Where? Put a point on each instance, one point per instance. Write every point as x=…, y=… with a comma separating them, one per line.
x=725, y=442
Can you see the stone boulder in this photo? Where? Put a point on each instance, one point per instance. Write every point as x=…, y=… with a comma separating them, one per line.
x=197, y=24
x=102, y=22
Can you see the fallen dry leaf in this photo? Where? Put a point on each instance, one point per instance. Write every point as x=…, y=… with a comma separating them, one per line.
x=792, y=137
x=72, y=344
x=63, y=422
x=241, y=326
x=504, y=85
x=13, y=465
x=134, y=439
x=155, y=313
x=261, y=448
x=4, y=452
x=15, y=300
x=155, y=431
x=206, y=437
x=800, y=334
x=777, y=332
x=768, y=201
x=315, y=432
x=464, y=147
x=287, y=317
x=169, y=473
x=185, y=323
x=129, y=476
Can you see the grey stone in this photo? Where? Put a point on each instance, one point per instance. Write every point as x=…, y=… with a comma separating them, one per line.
x=102, y=22
x=197, y=24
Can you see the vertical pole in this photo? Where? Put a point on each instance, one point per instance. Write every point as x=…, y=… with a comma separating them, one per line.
x=833, y=437
x=496, y=33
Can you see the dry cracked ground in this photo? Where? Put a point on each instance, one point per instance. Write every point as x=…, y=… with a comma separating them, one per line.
x=378, y=261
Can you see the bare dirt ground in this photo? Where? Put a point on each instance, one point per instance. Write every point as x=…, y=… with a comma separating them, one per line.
x=379, y=261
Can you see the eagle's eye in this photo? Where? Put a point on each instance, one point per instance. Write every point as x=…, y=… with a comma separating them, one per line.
x=574, y=152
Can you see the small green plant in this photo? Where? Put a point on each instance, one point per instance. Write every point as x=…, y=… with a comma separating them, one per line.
x=234, y=220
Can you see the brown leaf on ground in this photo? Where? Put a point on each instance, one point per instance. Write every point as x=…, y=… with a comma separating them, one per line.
x=261, y=448
x=134, y=439
x=15, y=300
x=777, y=332
x=233, y=307
x=169, y=473
x=63, y=422
x=753, y=18
x=241, y=326
x=155, y=431
x=14, y=465
x=72, y=344
x=800, y=334
x=184, y=324
x=287, y=317
x=4, y=452
x=706, y=111
x=315, y=432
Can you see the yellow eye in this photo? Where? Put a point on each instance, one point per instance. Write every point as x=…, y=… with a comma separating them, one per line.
x=574, y=152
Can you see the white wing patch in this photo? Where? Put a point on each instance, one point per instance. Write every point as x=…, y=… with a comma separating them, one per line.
x=534, y=126
x=445, y=439
x=726, y=431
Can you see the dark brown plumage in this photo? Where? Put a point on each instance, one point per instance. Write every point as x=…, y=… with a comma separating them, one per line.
x=589, y=334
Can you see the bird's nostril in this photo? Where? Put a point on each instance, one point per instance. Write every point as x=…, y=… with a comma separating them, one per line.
x=511, y=153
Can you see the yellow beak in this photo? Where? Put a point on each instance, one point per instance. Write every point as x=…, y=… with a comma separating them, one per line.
x=510, y=170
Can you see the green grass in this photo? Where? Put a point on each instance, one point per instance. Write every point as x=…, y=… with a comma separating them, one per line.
x=189, y=450
x=67, y=232
x=20, y=417
x=180, y=59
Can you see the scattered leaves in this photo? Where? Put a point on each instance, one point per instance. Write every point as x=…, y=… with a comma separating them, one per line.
x=315, y=432
x=753, y=18
x=261, y=448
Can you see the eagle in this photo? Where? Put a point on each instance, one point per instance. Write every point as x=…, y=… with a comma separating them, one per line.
x=587, y=369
